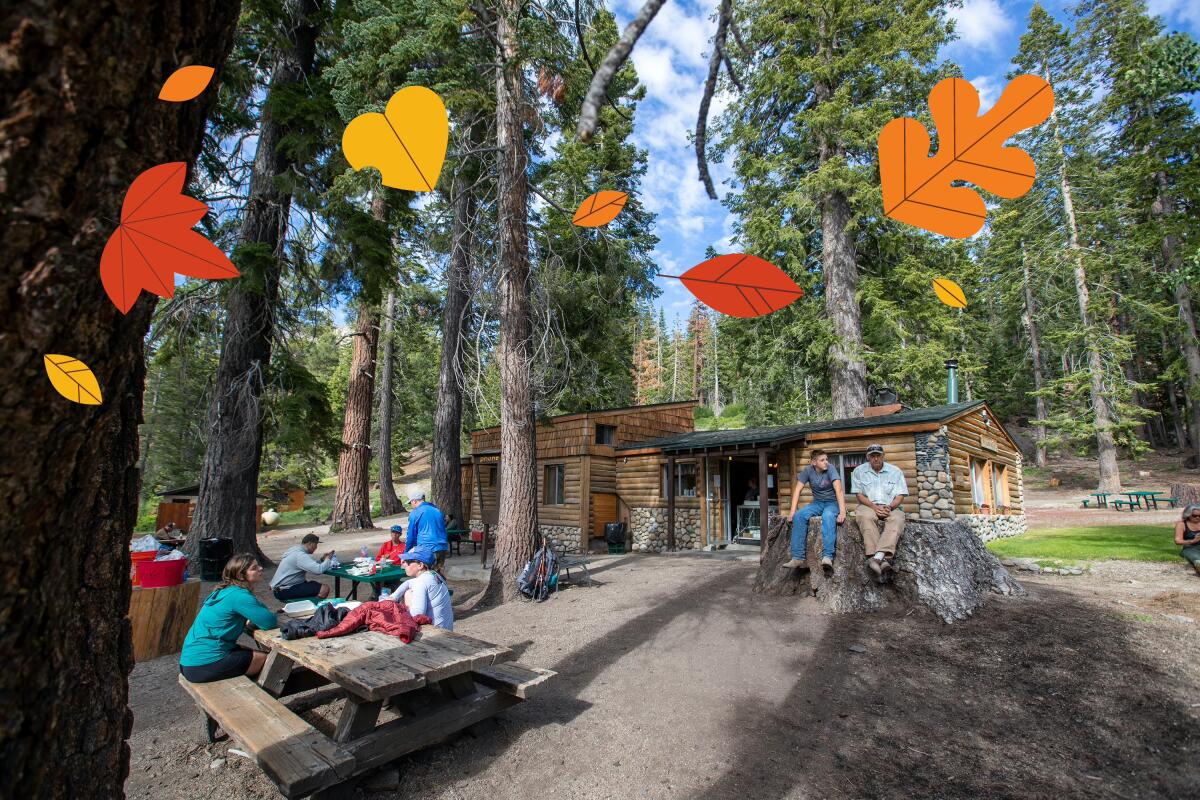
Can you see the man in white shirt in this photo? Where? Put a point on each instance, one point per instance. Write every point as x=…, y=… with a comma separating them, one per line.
x=881, y=488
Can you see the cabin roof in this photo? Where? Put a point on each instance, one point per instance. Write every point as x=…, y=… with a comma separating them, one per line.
x=599, y=412
x=194, y=491
x=774, y=436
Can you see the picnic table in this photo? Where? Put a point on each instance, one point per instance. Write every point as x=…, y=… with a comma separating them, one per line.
x=1136, y=497
x=395, y=573
x=398, y=698
x=1101, y=499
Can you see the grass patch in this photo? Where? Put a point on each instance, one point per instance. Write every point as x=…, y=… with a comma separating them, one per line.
x=1133, y=616
x=1096, y=543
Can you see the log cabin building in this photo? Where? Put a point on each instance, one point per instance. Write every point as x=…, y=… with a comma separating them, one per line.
x=679, y=488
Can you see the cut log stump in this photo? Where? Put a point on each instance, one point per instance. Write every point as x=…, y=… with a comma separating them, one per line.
x=940, y=567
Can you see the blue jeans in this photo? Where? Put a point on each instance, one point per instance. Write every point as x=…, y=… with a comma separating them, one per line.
x=827, y=510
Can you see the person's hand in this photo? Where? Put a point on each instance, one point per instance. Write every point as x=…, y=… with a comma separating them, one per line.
x=327, y=556
x=882, y=512
x=841, y=517
x=792, y=517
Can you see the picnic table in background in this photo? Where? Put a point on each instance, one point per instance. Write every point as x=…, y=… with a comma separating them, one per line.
x=395, y=573
x=454, y=537
x=1101, y=499
x=1136, y=497
x=398, y=698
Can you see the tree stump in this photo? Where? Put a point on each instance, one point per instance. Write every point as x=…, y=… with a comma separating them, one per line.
x=940, y=567
x=1185, y=493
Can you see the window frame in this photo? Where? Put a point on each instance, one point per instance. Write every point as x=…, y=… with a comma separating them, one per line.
x=692, y=471
x=557, y=484
x=611, y=430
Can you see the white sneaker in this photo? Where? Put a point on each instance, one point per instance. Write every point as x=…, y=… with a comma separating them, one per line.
x=827, y=563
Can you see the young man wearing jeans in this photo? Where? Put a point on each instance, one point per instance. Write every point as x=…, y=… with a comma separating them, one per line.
x=829, y=503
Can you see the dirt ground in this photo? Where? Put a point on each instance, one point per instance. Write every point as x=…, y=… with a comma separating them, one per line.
x=674, y=681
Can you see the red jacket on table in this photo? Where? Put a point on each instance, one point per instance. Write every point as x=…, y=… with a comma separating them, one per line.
x=383, y=616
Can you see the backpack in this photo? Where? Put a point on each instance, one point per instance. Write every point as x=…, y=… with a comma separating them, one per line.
x=540, y=574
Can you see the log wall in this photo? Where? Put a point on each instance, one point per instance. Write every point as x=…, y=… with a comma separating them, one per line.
x=898, y=450
x=968, y=436
x=639, y=482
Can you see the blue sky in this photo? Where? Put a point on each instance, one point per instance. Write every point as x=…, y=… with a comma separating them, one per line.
x=671, y=60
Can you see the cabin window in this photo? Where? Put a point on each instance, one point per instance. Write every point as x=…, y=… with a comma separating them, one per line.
x=978, y=470
x=1000, y=484
x=606, y=434
x=845, y=463
x=491, y=476
x=685, y=480
x=989, y=484
x=555, y=494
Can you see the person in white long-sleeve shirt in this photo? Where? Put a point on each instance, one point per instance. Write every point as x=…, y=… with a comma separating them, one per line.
x=291, y=578
x=425, y=591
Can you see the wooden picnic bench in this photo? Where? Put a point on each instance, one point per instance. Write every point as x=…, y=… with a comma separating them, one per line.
x=398, y=698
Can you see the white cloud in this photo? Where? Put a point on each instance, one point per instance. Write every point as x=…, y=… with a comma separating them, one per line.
x=981, y=24
x=1185, y=11
x=989, y=89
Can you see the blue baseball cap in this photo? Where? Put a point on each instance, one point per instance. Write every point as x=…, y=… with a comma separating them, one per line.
x=398, y=528
x=422, y=553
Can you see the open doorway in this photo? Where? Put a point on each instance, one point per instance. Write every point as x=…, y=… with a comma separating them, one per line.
x=743, y=497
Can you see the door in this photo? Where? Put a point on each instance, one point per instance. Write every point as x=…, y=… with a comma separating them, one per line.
x=604, y=510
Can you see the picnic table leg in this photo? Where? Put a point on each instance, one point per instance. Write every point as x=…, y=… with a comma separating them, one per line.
x=358, y=717
x=275, y=673
x=353, y=590
x=337, y=586
x=461, y=686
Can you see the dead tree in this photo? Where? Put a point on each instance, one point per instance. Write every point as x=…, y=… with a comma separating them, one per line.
x=941, y=567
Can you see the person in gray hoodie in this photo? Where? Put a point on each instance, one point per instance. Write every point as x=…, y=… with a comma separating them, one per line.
x=291, y=578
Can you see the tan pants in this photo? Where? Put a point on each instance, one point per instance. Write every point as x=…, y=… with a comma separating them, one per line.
x=868, y=523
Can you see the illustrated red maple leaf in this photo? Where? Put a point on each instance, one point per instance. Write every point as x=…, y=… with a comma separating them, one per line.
x=741, y=285
x=155, y=240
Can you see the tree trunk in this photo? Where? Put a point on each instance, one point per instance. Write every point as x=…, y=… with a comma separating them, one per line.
x=352, y=501
x=389, y=503
x=79, y=121
x=445, y=467
x=1106, y=447
x=227, y=504
x=941, y=567
x=1039, y=379
x=1169, y=387
x=518, y=519
x=1164, y=206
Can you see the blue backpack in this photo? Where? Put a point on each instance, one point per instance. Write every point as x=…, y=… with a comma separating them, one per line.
x=540, y=574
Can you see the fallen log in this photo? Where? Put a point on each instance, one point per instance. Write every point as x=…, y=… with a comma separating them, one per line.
x=940, y=567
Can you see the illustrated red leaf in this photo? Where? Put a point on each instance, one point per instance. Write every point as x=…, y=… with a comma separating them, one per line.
x=155, y=240
x=741, y=285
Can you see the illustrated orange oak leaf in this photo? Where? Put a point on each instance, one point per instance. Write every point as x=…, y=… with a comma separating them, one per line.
x=406, y=143
x=185, y=83
x=918, y=188
x=155, y=240
x=741, y=285
x=600, y=209
x=950, y=293
x=73, y=379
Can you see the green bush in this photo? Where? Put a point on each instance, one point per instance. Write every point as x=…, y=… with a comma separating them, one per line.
x=703, y=412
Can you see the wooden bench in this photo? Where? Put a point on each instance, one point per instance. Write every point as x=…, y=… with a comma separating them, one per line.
x=513, y=679
x=296, y=756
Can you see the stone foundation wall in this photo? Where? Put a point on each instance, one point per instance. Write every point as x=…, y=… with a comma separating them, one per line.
x=564, y=538
x=995, y=526
x=935, y=493
x=648, y=527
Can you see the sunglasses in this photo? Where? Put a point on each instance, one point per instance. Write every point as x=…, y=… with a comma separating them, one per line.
x=1194, y=516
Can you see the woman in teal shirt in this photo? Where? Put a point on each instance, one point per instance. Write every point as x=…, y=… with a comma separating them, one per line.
x=210, y=651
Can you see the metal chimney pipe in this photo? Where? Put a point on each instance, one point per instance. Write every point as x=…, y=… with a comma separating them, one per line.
x=951, y=381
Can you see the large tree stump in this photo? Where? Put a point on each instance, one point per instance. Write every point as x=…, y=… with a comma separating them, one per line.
x=1185, y=493
x=940, y=567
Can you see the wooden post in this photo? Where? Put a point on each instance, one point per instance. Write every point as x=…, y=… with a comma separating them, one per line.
x=671, y=503
x=585, y=501
x=703, y=480
x=764, y=503
x=476, y=477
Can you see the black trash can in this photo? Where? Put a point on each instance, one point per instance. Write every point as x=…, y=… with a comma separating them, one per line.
x=213, y=555
x=614, y=535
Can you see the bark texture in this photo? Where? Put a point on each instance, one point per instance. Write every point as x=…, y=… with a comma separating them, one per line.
x=1039, y=370
x=389, y=503
x=445, y=471
x=226, y=507
x=352, y=501
x=942, y=568
x=517, y=522
x=79, y=120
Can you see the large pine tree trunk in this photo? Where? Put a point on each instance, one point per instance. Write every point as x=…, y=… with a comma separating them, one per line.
x=517, y=522
x=445, y=467
x=352, y=500
x=79, y=120
x=389, y=503
x=1039, y=374
x=941, y=568
x=1181, y=440
x=226, y=507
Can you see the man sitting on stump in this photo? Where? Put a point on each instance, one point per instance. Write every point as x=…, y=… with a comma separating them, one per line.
x=829, y=503
x=881, y=488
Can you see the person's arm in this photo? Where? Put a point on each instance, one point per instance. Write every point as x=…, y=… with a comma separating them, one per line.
x=841, y=500
x=796, y=496
x=417, y=598
x=398, y=595
x=310, y=564
x=1180, y=528
x=410, y=538
x=256, y=613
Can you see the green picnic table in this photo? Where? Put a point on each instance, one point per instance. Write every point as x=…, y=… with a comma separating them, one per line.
x=1135, y=498
x=1101, y=499
x=380, y=576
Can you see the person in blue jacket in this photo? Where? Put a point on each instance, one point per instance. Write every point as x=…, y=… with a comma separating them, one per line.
x=427, y=526
x=210, y=651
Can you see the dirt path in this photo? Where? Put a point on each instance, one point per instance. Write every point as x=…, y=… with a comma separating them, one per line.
x=675, y=682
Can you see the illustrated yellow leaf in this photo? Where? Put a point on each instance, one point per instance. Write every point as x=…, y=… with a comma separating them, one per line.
x=950, y=293
x=73, y=379
x=406, y=143
x=185, y=83
x=600, y=209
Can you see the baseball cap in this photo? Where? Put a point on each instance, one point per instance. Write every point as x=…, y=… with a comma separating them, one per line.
x=875, y=448
x=422, y=553
x=416, y=495
x=398, y=528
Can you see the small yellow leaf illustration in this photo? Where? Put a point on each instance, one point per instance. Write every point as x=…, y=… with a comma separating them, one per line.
x=73, y=379
x=185, y=83
x=950, y=293
x=406, y=143
x=600, y=209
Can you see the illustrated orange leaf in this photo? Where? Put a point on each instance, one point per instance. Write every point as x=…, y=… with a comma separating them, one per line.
x=918, y=189
x=185, y=83
x=155, y=240
x=600, y=209
x=950, y=293
x=741, y=285
x=73, y=379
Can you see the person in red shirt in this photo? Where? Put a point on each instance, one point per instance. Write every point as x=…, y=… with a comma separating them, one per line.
x=393, y=548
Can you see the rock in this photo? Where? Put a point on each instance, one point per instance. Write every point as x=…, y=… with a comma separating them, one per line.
x=1031, y=568
x=383, y=780
x=857, y=648
x=1179, y=618
x=1049, y=570
x=1075, y=571
x=217, y=764
x=1008, y=562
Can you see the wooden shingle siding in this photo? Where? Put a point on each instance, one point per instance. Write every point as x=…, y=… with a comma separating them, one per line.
x=569, y=512
x=967, y=434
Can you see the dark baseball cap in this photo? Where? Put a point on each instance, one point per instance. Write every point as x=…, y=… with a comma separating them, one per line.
x=875, y=448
